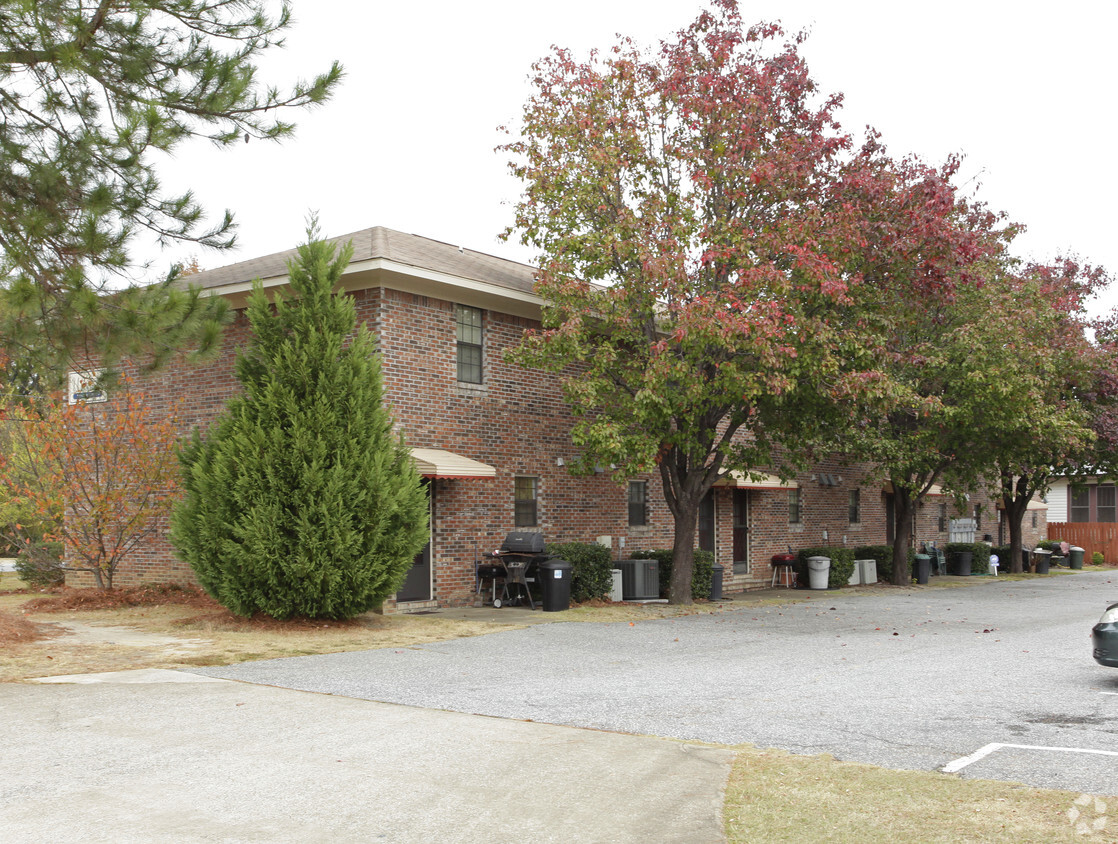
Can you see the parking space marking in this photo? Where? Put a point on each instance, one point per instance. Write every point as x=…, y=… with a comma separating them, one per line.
x=983, y=752
x=1108, y=693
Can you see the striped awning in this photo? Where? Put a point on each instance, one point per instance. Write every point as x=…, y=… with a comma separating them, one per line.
x=742, y=481
x=437, y=463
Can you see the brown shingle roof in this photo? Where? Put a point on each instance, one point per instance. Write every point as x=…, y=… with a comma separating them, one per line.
x=379, y=242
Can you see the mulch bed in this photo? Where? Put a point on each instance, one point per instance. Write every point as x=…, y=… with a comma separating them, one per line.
x=66, y=599
x=15, y=630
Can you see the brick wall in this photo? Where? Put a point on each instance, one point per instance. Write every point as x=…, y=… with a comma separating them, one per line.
x=517, y=422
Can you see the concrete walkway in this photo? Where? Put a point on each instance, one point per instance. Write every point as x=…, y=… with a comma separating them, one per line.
x=144, y=756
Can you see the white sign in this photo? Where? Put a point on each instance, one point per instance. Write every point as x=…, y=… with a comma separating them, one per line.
x=83, y=388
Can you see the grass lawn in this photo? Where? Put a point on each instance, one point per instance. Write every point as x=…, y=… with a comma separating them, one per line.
x=771, y=795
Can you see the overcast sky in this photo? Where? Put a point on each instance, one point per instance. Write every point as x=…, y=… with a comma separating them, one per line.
x=408, y=142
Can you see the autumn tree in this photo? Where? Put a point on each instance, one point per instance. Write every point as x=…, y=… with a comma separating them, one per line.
x=91, y=94
x=302, y=500
x=97, y=477
x=680, y=201
x=933, y=304
x=1058, y=427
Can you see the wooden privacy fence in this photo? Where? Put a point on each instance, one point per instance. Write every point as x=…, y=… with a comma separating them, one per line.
x=1090, y=536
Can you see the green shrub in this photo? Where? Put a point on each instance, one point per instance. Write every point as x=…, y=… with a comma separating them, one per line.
x=1097, y=559
x=842, y=564
x=591, y=568
x=39, y=563
x=1003, y=552
x=1052, y=545
x=882, y=554
x=702, y=575
x=302, y=499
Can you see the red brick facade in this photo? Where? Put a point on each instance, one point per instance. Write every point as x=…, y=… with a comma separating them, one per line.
x=516, y=422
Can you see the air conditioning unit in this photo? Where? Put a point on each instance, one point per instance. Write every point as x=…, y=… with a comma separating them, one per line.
x=640, y=579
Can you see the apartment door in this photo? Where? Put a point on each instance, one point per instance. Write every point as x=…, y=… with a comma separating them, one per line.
x=417, y=585
x=706, y=522
x=741, y=531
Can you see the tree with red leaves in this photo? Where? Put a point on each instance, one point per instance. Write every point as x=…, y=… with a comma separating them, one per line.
x=101, y=474
x=681, y=202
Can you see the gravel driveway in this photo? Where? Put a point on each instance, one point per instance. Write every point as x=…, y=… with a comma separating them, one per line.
x=906, y=679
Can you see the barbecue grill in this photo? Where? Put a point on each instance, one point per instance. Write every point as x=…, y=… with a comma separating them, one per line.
x=513, y=564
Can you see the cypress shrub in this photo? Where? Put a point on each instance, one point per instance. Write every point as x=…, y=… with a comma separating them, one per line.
x=301, y=501
x=591, y=568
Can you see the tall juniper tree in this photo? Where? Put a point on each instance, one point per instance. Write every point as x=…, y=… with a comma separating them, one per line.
x=302, y=501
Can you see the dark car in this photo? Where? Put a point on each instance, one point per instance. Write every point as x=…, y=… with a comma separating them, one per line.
x=1105, y=637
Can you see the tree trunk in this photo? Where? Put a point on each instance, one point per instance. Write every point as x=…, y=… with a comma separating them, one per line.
x=683, y=553
x=902, y=534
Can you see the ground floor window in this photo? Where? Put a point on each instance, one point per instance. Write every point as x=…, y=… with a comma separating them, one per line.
x=525, y=501
x=638, y=501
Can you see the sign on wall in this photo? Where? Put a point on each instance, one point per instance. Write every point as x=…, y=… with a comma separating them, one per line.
x=84, y=387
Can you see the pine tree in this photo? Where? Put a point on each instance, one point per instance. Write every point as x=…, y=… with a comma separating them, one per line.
x=302, y=501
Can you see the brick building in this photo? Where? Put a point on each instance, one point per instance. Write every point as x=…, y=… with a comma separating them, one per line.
x=493, y=439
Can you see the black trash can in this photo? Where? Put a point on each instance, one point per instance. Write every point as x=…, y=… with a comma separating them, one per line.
x=962, y=560
x=716, y=583
x=555, y=585
x=1042, y=557
x=923, y=567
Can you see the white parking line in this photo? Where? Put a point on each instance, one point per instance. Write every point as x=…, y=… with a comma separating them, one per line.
x=1108, y=693
x=983, y=752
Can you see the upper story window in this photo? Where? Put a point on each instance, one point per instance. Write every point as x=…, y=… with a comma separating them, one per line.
x=525, y=502
x=854, y=507
x=941, y=524
x=469, y=343
x=795, y=507
x=638, y=499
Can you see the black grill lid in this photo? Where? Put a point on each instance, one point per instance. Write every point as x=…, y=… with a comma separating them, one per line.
x=523, y=542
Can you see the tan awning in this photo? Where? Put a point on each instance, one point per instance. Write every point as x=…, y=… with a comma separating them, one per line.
x=742, y=481
x=936, y=489
x=436, y=463
x=1034, y=504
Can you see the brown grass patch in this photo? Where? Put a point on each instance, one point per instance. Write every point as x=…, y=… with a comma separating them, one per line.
x=776, y=796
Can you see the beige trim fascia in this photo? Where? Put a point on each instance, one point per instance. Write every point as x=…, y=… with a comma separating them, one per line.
x=440, y=285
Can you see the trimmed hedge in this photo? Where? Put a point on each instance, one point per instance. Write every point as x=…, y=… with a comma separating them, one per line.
x=702, y=575
x=591, y=568
x=842, y=564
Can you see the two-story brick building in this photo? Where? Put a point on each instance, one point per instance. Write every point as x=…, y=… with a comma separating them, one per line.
x=493, y=439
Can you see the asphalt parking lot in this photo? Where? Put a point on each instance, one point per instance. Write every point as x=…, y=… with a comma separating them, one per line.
x=990, y=681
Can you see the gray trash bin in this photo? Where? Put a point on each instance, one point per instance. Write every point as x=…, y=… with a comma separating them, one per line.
x=555, y=585
x=818, y=572
x=1041, y=559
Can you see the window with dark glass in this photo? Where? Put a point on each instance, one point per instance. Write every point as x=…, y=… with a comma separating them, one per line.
x=524, y=502
x=469, y=343
x=1105, y=508
x=638, y=499
x=1081, y=504
x=978, y=517
x=795, y=510
x=942, y=518
x=1034, y=519
x=855, y=507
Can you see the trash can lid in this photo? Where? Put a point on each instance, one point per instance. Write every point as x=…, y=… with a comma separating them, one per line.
x=923, y=556
x=1076, y=548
